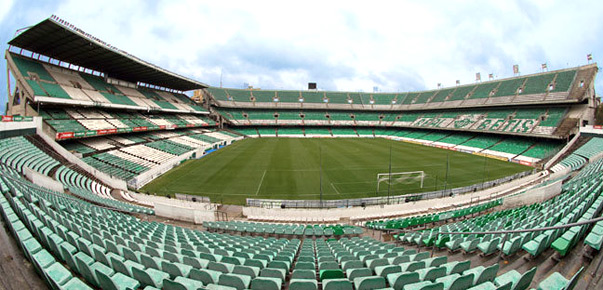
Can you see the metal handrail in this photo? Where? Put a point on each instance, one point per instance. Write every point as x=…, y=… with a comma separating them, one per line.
x=527, y=230
x=507, y=232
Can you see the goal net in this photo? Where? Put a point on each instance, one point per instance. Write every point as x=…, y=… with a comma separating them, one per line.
x=400, y=178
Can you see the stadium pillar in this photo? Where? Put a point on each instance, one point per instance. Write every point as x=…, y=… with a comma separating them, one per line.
x=7, y=90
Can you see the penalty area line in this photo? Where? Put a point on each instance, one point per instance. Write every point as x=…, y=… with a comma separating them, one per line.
x=261, y=181
x=333, y=186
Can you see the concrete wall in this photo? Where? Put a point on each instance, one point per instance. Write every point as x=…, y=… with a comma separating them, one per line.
x=9, y=126
x=535, y=195
x=561, y=173
x=180, y=213
x=42, y=180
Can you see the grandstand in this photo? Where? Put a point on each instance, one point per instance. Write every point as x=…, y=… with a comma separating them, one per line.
x=85, y=129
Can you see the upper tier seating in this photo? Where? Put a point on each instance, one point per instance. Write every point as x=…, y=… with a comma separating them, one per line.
x=531, y=88
x=47, y=80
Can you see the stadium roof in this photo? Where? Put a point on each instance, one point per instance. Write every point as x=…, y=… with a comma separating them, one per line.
x=58, y=39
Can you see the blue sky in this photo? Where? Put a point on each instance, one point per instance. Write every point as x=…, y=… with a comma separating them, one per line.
x=341, y=45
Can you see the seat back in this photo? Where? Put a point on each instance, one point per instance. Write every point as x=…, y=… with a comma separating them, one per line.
x=525, y=280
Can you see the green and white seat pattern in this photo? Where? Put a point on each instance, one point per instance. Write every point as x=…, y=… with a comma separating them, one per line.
x=73, y=87
x=580, y=157
x=19, y=153
x=298, y=230
x=403, y=223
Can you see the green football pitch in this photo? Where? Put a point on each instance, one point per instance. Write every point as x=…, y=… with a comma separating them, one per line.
x=297, y=168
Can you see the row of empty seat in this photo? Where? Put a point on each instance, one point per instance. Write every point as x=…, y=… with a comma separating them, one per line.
x=284, y=230
x=18, y=152
x=535, y=121
x=519, y=89
x=580, y=156
x=73, y=87
x=126, y=161
x=580, y=200
x=92, y=122
x=403, y=223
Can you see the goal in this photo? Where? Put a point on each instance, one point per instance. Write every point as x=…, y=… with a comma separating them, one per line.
x=400, y=178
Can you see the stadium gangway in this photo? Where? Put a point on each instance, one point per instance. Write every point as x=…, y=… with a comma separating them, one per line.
x=506, y=233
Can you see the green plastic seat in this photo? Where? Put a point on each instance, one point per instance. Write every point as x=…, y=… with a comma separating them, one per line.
x=457, y=267
x=175, y=269
x=220, y=267
x=118, y=281
x=76, y=284
x=425, y=285
x=398, y=260
x=88, y=270
x=352, y=264
x=173, y=285
x=303, y=274
x=274, y=273
x=266, y=283
x=517, y=280
x=337, y=284
x=372, y=264
x=195, y=262
x=255, y=263
x=456, y=281
x=431, y=274
x=370, y=282
x=189, y=284
x=205, y=275
x=330, y=274
x=246, y=270
x=558, y=281
x=150, y=277
x=239, y=282
x=400, y=279
x=412, y=266
x=58, y=275
x=303, y=284
x=491, y=286
x=470, y=246
x=482, y=274
x=358, y=272
x=383, y=271
x=436, y=261
x=489, y=247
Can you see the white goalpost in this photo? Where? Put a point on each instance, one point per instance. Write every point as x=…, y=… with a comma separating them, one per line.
x=401, y=178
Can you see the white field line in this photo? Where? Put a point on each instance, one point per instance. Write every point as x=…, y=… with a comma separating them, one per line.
x=333, y=186
x=261, y=181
